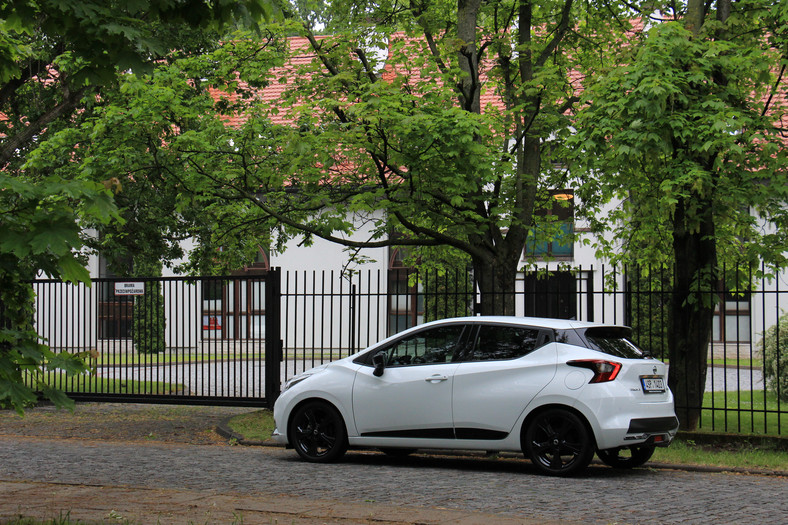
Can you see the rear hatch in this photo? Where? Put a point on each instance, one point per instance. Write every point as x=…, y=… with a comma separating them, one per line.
x=647, y=376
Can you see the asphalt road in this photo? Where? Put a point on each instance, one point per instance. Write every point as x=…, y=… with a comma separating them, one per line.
x=503, y=487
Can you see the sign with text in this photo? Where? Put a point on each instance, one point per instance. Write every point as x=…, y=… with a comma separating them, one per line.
x=129, y=288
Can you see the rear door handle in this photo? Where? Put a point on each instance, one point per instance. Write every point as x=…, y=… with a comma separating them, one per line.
x=436, y=378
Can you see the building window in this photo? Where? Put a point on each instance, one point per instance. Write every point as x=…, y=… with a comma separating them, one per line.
x=115, y=312
x=235, y=308
x=405, y=302
x=732, y=318
x=557, y=221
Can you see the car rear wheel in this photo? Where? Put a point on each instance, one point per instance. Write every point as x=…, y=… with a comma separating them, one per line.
x=558, y=442
x=317, y=432
x=626, y=457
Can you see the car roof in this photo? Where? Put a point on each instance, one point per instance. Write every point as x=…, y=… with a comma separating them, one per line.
x=540, y=322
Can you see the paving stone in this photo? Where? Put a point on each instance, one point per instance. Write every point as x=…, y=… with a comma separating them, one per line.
x=366, y=487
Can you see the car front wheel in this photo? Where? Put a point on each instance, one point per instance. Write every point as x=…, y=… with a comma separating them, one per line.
x=558, y=442
x=317, y=432
x=626, y=457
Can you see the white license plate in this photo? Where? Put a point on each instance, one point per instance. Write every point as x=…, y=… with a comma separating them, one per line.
x=653, y=384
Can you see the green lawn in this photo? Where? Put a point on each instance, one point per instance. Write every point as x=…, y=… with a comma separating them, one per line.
x=756, y=414
x=732, y=454
x=133, y=358
x=732, y=362
x=91, y=384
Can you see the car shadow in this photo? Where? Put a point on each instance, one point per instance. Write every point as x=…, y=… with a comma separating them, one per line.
x=477, y=462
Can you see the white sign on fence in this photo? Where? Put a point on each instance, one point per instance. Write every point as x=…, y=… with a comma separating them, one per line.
x=129, y=288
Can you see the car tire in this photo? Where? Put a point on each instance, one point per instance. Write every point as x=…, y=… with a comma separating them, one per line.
x=626, y=457
x=317, y=432
x=558, y=442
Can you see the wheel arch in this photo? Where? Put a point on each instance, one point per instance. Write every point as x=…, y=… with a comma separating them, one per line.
x=549, y=406
x=304, y=401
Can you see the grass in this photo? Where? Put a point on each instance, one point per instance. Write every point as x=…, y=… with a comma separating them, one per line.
x=744, y=412
x=90, y=384
x=111, y=517
x=63, y=519
x=732, y=362
x=254, y=426
x=731, y=455
x=736, y=453
x=134, y=359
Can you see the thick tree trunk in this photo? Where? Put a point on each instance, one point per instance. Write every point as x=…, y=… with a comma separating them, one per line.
x=691, y=311
x=495, y=278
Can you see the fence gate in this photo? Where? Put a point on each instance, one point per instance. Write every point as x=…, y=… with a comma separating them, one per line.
x=189, y=340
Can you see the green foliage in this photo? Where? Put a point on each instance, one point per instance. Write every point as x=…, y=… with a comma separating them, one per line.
x=664, y=129
x=681, y=132
x=649, y=297
x=407, y=149
x=774, y=346
x=149, y=320
x=443, y=278
x=40, y=219
x=149, y=325
x=55, y=57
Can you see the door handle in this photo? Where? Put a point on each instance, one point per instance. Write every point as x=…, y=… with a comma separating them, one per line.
x=436, y=378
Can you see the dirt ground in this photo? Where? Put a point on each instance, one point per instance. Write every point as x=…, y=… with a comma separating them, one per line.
x=122, y=422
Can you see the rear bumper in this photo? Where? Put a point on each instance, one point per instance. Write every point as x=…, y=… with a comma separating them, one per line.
x=653, y=424
x=657, y=431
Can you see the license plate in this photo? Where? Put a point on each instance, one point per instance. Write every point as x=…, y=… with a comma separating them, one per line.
x=653, y=384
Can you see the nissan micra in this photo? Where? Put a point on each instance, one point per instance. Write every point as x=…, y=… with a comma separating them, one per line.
x=556, y=390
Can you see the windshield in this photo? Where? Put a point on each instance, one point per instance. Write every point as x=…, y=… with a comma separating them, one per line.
x=614, y=340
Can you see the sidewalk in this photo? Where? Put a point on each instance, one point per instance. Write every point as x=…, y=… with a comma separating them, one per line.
x=143, y=506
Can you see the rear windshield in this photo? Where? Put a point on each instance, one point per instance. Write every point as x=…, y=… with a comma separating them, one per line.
x=613, y=341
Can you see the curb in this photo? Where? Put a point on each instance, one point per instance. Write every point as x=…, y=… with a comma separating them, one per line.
x=223, y=429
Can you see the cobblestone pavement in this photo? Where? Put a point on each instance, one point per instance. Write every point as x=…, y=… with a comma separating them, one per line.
x=503, y=488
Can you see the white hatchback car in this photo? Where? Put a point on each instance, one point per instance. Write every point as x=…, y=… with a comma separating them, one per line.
x=556, y=390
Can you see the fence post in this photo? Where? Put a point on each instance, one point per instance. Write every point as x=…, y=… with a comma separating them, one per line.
x=352, y=349
x=273, y=340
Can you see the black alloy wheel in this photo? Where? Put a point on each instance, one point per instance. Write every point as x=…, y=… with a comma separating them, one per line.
x=558, y=442
x=626, y=457
x=317, y=432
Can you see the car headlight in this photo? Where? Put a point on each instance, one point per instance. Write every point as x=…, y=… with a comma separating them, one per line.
x=294, y=381
x=300, y=377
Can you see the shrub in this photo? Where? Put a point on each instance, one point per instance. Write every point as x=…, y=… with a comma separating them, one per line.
x=775, y=358
x=149, y=325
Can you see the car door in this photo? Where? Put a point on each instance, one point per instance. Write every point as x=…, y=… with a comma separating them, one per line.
x=503, y=370
x=412, y=398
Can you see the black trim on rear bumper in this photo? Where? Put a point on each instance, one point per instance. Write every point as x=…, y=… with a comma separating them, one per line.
x=653, y=424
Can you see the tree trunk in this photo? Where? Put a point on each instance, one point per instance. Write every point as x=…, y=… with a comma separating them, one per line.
x=495, y=278
x=694, y=274
x=691, y=311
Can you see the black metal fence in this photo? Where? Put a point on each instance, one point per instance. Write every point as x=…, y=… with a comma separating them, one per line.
x=209, y=340
x=217, y=339
x=329, y=315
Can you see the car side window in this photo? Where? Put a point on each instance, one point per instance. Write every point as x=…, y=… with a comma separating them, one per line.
x=435, y=345
x=503, y=342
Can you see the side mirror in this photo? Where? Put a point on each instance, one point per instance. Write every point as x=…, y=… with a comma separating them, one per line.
x=379, y=360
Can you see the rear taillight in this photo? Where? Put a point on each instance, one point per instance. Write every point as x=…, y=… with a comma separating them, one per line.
x=604, y=371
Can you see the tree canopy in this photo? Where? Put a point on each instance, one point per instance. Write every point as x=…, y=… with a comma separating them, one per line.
x=686, y=135
x=55, y=58
x=448, y=118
